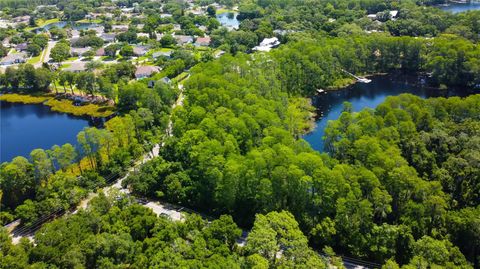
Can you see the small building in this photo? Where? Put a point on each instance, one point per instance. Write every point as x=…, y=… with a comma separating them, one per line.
x=120, y=28
x=146, y=71
x=21, y=47
x=218, y=54
x=165, y=15
x=79, y=51
x=393, y=14
x=267, y=44
x=100, y=52
x=108, y=37
x=166, y=80
x=143, y=35
x=159, y=54
x=140, y=50
x=76, y=67
x=21, y=19
x=177, y=27
x=183, y=39
x=14, y=58
x=203, y=41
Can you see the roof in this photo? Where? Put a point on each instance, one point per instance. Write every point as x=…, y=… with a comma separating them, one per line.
x=14, y=57
x=79, y=50
x=146, y=71
x=182, y=39
x=76, y=67
x=140, y=50
x=203, y=41
x=21, y=46
x=162, y=53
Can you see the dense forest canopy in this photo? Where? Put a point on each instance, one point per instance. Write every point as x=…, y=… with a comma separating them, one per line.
x=396, y=185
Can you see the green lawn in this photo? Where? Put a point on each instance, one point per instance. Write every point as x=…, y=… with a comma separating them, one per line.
x=41, y=23
x=35, y=59
x=223, y=10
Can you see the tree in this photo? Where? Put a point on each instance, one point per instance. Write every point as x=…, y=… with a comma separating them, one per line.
x=167, y=41
x=279, y=233
x=126, y=51
x=40, y=40
x=42, y=164
x=34, y=49
x=211, y=11
x=60, y=52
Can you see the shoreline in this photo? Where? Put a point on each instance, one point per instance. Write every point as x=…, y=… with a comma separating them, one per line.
x=61, y=105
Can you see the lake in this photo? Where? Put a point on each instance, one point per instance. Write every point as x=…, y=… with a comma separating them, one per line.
x=228, y=19
x=458, y=7
x=24, y=128
x=62, y=24
x=330, y=104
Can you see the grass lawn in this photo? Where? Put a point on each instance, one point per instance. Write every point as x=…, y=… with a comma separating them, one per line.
x=42, y=23
x=223, y=10
x=178, y=78
x=35, y=59
x=63, y=105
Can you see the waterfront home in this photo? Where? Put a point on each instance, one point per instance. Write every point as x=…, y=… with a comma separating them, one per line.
x=146, y=71
x=267, y=44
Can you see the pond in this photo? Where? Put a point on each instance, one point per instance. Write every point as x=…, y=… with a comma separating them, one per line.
x=228, y=19
x=24, y=128
x=330, y=104
x=461, y=7
x=61, y=24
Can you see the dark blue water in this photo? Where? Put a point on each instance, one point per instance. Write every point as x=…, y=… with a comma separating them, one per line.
x=61, y=24
x=228, y=20
x=456, y=7
x=24, y=128
x=329, y=105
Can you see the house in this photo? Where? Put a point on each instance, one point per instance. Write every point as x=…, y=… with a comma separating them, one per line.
x=108, y=37
x=183, y=39
x=100, y=52
x=21, y=47
x=177, y=27
x=74, y=33
x=158, y=54
x=143, y=35
x=146, y=71
x=393, y=14
x=203, y=41
x=120, y=28
x=267, y=44
x=14, y=58
x=372, y=16
x=140, y=50
x=76, y=67
x=218, y=54
x=165, y=15
x=21, y=19
x=79, y=51
x=166, y=80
